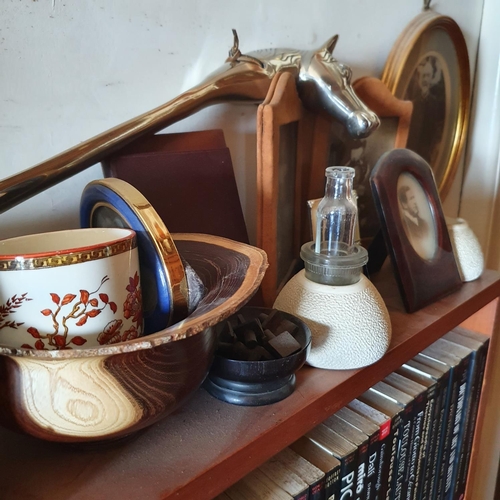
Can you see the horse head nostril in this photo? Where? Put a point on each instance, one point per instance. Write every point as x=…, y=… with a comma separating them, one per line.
x=362, y=123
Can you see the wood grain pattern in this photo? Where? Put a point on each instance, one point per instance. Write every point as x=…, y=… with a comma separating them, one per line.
x=208, y=445
x=282, y=106
x=107, y=393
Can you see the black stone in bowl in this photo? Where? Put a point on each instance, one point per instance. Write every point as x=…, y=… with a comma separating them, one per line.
x=256, y=383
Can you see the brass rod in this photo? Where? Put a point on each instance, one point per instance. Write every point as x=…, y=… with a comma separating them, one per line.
x=228, y=85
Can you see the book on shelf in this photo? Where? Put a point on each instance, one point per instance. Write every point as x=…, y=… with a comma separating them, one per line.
x=479, y=344
x=383, y=422
x=277, y=471
x=419, y=434
x=407, y=404
x=256, y=485
x=458, y=358
x=442, y=372
x=288, y=459
x=409, y=437
x=394, y=411
x=324, y=461
x=371, y=430
x=343, y=450
x=360, y=439
x=429, y=378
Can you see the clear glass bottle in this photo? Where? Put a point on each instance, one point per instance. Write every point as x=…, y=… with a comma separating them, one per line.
x=337, y=213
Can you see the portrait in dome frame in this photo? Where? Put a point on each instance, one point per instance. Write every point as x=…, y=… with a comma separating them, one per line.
x=429, y=65
x=414, y=228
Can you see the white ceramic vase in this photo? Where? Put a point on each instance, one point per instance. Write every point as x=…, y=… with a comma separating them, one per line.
x=350, y=324
x=467, y=250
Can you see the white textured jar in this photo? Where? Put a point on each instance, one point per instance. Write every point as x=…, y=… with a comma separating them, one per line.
x=467, y=250
x=350, y=324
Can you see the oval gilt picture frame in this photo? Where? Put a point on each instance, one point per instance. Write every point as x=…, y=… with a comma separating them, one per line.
x=429, y=65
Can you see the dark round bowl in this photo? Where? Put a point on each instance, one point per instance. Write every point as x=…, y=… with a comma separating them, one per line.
x=256, y=383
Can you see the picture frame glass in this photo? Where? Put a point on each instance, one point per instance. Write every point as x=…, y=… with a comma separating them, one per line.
x=433, y=86
x=417, y=216
x=429, y=66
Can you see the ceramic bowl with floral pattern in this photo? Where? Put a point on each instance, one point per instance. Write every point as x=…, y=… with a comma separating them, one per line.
x=70, y=289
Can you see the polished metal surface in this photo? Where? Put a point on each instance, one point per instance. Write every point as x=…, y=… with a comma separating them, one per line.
x=323, y=84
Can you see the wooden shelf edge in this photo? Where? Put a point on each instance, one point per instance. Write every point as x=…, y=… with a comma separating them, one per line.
x=207, y=445
x=288, y=430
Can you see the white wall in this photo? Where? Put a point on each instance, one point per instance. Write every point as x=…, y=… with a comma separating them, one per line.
x=70, y=70
x=480, y=203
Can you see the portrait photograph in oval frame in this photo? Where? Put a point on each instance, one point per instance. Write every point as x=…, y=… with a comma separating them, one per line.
x=414, y=228
x=429, y=65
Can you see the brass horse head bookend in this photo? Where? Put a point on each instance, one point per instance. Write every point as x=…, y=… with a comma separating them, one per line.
x=323, y=83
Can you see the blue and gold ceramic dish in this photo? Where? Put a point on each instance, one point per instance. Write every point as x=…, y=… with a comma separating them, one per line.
x=115, y=203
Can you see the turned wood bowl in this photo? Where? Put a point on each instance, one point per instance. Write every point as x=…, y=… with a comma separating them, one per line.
x=109, y=392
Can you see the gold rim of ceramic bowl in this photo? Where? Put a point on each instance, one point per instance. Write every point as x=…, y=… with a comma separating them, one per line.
x=69, y=256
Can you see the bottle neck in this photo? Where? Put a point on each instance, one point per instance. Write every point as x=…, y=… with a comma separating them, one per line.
x=338, y=187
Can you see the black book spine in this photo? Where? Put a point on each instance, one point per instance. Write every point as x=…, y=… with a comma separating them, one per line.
x=456, y=376
x=458, y=423
x=392, y=462
x=347, y=483
x=317, y=490
x=332, y=484
x=400, y=485
x=437, y=437
x=427, y=439
x=419, y=406
x=373, y=466
x=302, y=496
x=385, y=443
x=480, y=363
x=362, y=467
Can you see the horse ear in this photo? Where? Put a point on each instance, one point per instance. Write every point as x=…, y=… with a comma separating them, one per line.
x=330, y=44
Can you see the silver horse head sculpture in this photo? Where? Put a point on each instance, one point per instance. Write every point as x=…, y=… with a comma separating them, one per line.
x=323, y=83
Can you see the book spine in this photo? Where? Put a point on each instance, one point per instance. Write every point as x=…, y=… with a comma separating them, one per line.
x=347, y=486
x=404, y=451
x=419, y=406
x=458, y=423
x=392, y=462
x=302, y=496
x=385, y=442
x=461, y=480
x=332, y=484
x=427, y=429
x=437, y=436
x=373, y=466
x=444, y=452
x=361, y=471
x=317, y=490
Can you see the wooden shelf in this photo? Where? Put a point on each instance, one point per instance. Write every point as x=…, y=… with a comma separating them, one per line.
x=208, y=445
